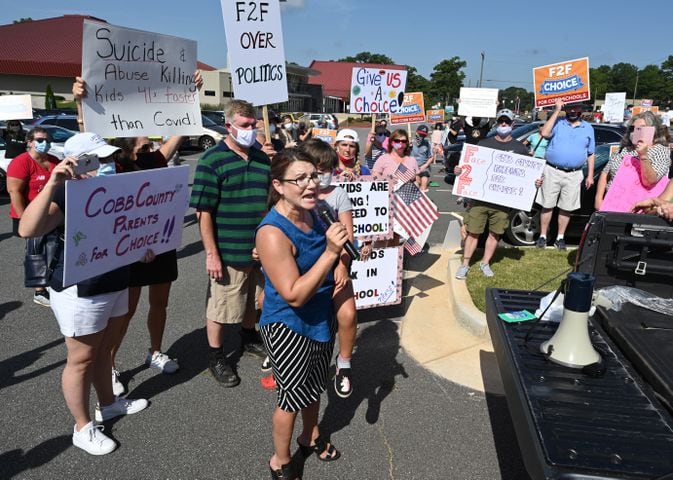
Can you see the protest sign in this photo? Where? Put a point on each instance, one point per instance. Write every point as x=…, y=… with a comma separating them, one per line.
x=434, y=116
x=15, y=107
x=412, y=109
x=646, y=102
x=111, y=221
x=138, y=83
x=627, y=189
x=371, y=207
x=377, y=281
x=613, y=108
x=478, y=102
x=640, y=109
x=376, y=90
x=324, y=134
x=495, y=176
x=448, y=109
x=567, y=81
x=256, y=50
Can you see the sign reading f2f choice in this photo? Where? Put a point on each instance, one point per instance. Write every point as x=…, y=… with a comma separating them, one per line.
x=376, y=90
x=256, y=52
x=567, y=81
x=112, y=221
x=138, y=83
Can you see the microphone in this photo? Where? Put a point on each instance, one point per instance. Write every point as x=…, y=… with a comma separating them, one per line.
x=327, y=217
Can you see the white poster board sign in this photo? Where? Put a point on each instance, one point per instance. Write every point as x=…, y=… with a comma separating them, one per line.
x=613, y=108
x=371, y=207
x=138, y=83
x=15, y=107
x=255, y=49
x=495, y=176
x=478, y=102
x=375, y=90
x=378, y=280
x=112, y=221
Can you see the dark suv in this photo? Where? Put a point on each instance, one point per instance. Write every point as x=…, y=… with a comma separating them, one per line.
x=65, y=121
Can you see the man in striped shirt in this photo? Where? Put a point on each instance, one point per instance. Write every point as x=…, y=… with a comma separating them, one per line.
x=229, y=194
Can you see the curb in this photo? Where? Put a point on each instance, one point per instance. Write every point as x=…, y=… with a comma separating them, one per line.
x=469, y=316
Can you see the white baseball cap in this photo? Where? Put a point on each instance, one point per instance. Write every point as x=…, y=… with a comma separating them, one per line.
x=347, y=135
x=88, y=143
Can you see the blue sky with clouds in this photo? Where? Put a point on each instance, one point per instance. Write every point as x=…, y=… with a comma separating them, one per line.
x=514, y=36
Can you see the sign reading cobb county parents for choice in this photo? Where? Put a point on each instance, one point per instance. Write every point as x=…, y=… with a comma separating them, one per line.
x=613, y=108
x=111, y=221
x=412, y=109
x=371, y=201
x=567, y=81
x=377, y=281
x=478, y=102
x=256, y=51
x=15, y=107
x=499, y=177
x=138, y=83
x=376, y=90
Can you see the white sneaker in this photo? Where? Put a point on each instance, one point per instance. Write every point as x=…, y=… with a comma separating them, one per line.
x=117, y=386
x=486, y=270
x=92, y=440
x=121, y=406
x=461, y=274
x=162, y=361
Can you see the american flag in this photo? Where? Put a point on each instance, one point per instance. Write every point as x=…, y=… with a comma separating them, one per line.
x=404, y=174
x=413, y=210
x=412, y=246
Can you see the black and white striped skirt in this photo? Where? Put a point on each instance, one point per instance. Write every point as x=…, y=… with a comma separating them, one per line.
x=300, y=365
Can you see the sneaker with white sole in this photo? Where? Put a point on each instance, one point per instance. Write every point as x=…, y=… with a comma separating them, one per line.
x=486, y=270
x=121, y=406
x=92, y=440
x=541, y=242
x=117, y=386
x=266, y=365
x=41, y=297
x=461, y=274
x=161, y=361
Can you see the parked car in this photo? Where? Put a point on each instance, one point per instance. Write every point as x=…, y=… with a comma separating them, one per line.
x=211, y=134
x=68, y=121
x=216, y=116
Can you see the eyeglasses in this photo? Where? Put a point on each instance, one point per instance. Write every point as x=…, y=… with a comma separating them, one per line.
x=304, y=180
x=40, y=140
x=400, y=140
x=505, y=120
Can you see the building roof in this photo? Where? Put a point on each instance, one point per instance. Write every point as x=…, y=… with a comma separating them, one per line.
x=51, y=47
x=335, y=77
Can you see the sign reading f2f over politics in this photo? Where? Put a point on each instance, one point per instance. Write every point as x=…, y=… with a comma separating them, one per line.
x=567, y=81
x=376, y=90
x=112, y=220
x=256, y=52
x=138, y=83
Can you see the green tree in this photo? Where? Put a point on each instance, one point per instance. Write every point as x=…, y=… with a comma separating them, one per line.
x=49, y=98
x=418, y=83
x=446, y=80
x=368, y=57
x=516, y=98
x=623, y=78
x=22, y=20
x=651, y=84
x=599, y=80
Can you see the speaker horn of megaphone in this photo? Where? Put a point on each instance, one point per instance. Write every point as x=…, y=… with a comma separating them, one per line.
x=571, y=346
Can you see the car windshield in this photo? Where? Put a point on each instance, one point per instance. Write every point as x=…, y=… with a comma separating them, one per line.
x=207, y=122
x=59, y=135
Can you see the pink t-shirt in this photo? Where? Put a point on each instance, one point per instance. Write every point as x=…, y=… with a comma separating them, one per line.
x=388, y=165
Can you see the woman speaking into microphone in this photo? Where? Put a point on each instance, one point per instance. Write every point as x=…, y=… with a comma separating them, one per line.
x=297, y=324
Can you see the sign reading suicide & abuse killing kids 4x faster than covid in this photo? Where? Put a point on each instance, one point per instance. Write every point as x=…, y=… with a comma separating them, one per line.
x=376, y=90
x=256, y=51
x=138, y=83
x=112, y=220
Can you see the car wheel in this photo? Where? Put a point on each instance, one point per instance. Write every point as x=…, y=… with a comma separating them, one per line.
x=206, y=142
x=524, y=227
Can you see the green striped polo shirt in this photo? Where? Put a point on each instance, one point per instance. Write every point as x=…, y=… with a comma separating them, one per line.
x=235, y=192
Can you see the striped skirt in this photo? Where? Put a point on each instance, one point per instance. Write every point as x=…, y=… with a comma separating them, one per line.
x=300, y=365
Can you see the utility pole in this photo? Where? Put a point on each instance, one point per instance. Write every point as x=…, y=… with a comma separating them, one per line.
x=635, y=88
x=481, y=71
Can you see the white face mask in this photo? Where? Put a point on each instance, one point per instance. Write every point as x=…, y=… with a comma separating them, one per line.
x=245, y=138
x=325, y=179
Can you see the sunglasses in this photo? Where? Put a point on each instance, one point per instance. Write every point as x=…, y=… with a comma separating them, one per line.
x=400, y=140
x=40, y=140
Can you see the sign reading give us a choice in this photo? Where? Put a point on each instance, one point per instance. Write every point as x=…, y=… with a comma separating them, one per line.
x=138, y=83
x=111, y=221
x=256, y=52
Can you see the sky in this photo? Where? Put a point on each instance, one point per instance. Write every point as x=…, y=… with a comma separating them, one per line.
x=514, y=36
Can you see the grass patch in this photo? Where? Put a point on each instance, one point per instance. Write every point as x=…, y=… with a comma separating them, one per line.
x=519, y=269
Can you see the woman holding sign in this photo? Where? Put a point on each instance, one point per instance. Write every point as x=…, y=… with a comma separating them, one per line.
x=646, y=140
x=298, y=256
x=88, y=313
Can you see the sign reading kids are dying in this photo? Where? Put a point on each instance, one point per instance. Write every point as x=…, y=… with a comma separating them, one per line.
x=112, y=220
x=138, y=83
x=376, y=90
x=567, y=81
x=256, y=53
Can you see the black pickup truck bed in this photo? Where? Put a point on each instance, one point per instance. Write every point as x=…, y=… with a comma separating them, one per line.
x=618, y=426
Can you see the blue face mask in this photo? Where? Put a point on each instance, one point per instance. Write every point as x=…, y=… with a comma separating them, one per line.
x=42, y=147
x=108, y=168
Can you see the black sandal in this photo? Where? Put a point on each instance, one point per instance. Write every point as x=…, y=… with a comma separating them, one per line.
x=319, y=447
x=285, y=472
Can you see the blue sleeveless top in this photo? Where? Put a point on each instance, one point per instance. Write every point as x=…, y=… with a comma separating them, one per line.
x=315, y=319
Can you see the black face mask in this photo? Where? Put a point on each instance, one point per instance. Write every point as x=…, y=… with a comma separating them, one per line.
x=573, y=116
